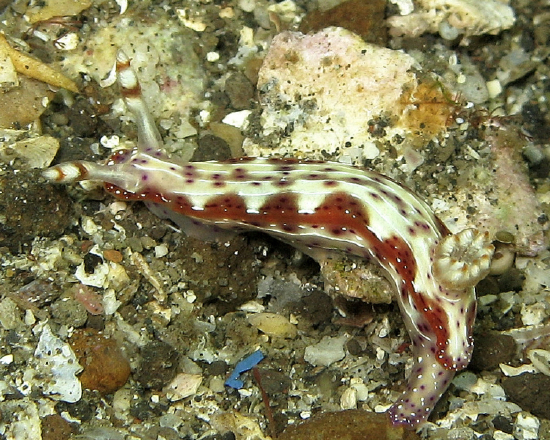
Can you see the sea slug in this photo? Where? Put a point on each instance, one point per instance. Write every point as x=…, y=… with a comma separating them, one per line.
x=318, y=207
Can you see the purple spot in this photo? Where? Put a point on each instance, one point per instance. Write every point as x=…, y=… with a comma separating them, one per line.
x=284, y=168
x=330, y=183
x=289, y=227
x=144, y=177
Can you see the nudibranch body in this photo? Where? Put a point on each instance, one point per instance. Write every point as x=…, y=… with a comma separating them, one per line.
x=319, y=206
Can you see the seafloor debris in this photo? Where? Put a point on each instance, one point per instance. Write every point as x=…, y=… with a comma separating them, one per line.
x=330, y=94
x=47, y=9
x=33, y=68
x=105, y=368
x=453, y=18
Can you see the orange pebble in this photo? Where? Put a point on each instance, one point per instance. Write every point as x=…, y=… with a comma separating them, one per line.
x=105, y=367
x=112, y=255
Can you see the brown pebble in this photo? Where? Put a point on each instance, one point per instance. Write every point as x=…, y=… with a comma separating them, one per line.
x=239, y=90
x=274, y=381
x=105, y=368
x=365, y=18
x=55, y=427
x=112, y=255
x=491, y=350
x=211, y=148
x=531, y=392
x=159, y=362
x=352, y=424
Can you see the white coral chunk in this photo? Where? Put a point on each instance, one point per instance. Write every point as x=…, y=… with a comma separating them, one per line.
x=466, y=17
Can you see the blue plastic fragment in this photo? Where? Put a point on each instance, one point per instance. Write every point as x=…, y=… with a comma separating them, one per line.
x=246, y=364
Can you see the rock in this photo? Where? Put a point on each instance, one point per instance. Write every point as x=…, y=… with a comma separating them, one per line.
x=105, y=367
x=211, y=148
x=327, y=351
x=53, y=8
x=531, y=392
x=364, y=18
x=492, y=349
x=454, y=18
x=25, y=103
x=273, y=324
x=331, y=95
x=55, y=427
x=70, y=312
x=158, y=366
x=347, y=425
x=239, y=90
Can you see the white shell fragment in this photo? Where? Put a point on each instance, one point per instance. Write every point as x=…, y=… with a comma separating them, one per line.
x=41, y=11
x=8, y=74
x=273, y=325
x=56, y=368
x=540, y=360
x=182, y=386
x=452, y=18
x=526, y=427
x=37, y=152
x=327, y=351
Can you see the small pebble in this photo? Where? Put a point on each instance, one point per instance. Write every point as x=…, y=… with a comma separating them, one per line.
x=273, y=325
x=70, y=312
x=105, y=367
x=158, y=366
x=239, y=90
x=531, y=392
x=182, y=386
x=327, y=351
x=55, y=427
x=491, y=350
x=112, y=255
